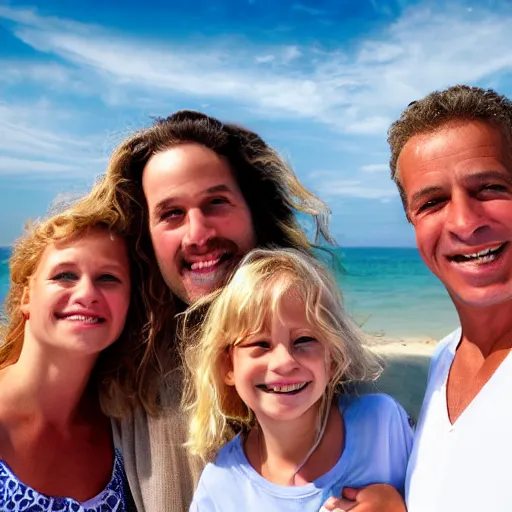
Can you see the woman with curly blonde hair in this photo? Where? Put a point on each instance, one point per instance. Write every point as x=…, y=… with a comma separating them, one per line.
x=73, y=321
x=269, y=367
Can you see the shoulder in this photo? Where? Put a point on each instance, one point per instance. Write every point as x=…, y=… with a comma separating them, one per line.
x=376, y=409
x=373, y=403
x=447, y=345
x=224, y=471
x=444, y=352
x=232, y=450
x=228, y=459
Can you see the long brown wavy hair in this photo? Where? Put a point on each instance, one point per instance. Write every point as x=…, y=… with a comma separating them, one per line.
x=271, y=189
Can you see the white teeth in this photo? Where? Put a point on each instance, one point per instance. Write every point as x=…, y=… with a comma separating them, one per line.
x=82, y=318
x=204, y=264
x=481, y=253
x=287, y=388
x=481, y=257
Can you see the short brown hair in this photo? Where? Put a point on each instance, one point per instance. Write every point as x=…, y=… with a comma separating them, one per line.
x=457, y=103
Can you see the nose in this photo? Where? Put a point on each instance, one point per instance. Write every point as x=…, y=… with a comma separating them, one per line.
x=199, y=229
x=282, y=361
x=86, y=292
x=464, y=217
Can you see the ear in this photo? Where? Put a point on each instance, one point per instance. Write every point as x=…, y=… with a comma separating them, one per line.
x=229, y=374
x=229, y=379
x=25, y=302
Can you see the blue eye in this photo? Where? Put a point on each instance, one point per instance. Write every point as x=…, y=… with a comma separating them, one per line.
x=171, y=214
x=219, y=200
x=304, y=339
x=109, y=278
x=430, y=204
x=260, y=344
x=495, y=187
x=65, y=276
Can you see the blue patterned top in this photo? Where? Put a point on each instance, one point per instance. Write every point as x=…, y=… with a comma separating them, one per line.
x=15, y=496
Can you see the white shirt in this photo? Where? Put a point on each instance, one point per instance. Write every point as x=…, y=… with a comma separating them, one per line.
x=466, y=466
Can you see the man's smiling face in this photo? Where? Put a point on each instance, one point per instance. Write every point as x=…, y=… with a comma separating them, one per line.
x=199, y=221
x=458, y=183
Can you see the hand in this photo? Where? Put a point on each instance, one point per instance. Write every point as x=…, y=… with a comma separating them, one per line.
x=374, y=498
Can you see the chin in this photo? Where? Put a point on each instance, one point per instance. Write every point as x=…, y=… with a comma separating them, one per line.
x=482, y=298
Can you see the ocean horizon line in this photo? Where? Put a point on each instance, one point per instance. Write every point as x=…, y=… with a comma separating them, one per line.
x=10, y=246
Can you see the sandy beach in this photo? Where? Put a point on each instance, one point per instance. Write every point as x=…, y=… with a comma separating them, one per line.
x=406, y=369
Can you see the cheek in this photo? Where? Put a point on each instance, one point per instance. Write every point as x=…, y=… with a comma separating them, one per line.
x=501, y=211
x=428, y=235
x=245, y=370
x=165, y=241
x=119, y=304
x=240, y=226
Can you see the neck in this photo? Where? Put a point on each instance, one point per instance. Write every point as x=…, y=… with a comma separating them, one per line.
x=489, y=329
x=281, y=454
x=47, y=383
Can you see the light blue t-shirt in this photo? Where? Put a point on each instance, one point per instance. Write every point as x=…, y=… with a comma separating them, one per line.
x=378, y=440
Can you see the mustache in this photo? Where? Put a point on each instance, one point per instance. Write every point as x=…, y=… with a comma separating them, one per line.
x=214, y=244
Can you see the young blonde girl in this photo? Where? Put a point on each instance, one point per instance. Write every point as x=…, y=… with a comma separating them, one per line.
x=269, y=366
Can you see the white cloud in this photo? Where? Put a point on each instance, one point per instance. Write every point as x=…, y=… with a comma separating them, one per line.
x=357, y=92
x=329, y=184
x=34, y=142
x=264, y=59
x=374, y=168
x=312, y=11
x=16, y=166
x=355, y=188
x=291, y=53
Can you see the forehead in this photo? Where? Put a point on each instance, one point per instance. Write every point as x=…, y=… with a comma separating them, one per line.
x=454, y=148
x=97, y=246
x=290, y=308
x=183, y=166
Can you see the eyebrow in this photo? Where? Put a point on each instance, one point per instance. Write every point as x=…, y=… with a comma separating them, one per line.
x=480, y=177
x=474, y=178
x=109, y=266
x=161, y=205
x=422, y=194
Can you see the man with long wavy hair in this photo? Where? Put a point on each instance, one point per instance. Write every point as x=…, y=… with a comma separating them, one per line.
x=196, y=195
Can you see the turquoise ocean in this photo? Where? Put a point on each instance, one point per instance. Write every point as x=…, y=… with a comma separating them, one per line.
x=389, y=292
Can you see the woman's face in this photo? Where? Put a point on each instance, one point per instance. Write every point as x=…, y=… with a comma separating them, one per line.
x=78, y=298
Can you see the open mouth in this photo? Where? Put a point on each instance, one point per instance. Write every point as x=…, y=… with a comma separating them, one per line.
x=81, y=318
x=207, y=265
x=486, y=256
x=288, y=389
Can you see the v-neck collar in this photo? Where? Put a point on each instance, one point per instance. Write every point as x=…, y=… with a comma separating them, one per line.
x=486, y=388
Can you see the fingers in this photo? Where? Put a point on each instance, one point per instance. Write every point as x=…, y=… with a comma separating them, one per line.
x=350, y=494
x=338, y=505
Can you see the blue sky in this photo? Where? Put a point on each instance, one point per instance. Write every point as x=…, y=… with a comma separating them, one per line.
x=321, y=81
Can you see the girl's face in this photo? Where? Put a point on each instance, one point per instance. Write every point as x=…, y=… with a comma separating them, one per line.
x=283, y=372
x=78, y=298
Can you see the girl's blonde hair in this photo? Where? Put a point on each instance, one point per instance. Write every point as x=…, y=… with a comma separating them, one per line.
x=242, y=309
x=115, y=372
